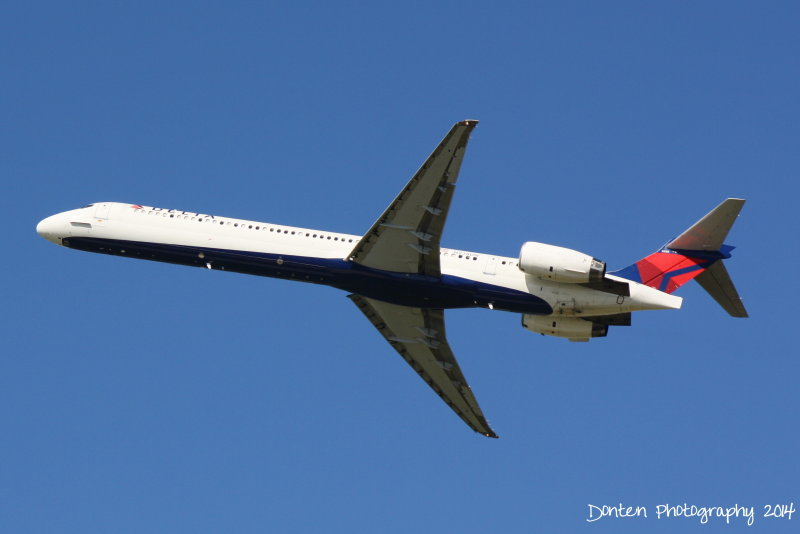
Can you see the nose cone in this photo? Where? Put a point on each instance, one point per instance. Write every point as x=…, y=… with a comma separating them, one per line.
x=52, y=229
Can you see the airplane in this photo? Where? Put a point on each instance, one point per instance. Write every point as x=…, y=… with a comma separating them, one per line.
x=403, y=280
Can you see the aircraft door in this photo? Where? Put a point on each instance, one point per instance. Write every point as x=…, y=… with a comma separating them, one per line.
x=491, y=265
x=565, y=307
x=101, y=211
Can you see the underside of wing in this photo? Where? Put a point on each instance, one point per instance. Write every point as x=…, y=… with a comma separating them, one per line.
x=419, y=336
x=407, y=235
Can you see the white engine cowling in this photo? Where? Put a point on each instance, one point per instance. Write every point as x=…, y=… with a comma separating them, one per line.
x=573, y=328
x=560, y=264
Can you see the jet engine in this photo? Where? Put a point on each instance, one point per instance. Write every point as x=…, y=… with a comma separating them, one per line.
x=572, y=328
x=560, y=264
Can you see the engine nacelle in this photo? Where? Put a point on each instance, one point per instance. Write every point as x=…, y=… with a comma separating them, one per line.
x=572, y=328
x=560, y=264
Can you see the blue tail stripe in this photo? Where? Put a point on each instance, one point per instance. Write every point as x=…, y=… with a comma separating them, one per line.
x=631, y=272
x=668, y=276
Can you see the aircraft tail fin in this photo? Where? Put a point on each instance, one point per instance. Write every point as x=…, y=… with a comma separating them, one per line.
x=695, y=254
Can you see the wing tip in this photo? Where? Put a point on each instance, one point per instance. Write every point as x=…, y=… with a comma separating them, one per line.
x=484, y=429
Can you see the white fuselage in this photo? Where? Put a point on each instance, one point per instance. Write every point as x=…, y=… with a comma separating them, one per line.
x=303, y=254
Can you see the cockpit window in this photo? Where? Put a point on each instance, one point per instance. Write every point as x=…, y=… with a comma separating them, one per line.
x=88, y=206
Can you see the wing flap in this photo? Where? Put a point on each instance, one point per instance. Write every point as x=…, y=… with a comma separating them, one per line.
x=418, y=335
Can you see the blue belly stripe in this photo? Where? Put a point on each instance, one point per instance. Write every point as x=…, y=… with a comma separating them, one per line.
x=398, y=288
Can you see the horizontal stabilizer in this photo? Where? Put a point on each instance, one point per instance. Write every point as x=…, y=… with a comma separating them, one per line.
x=709, y=232
x=716, y=281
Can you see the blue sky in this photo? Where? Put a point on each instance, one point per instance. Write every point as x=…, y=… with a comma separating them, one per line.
x=141, y=397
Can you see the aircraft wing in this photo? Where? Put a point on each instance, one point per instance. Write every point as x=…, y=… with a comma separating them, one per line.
x=419, y=336
x=406, y=237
